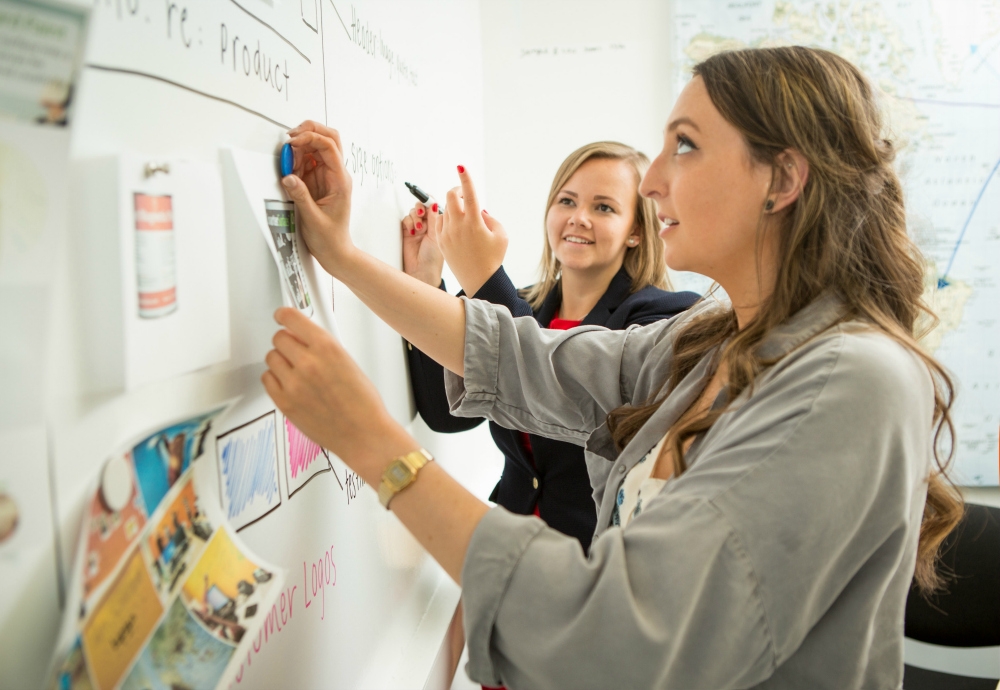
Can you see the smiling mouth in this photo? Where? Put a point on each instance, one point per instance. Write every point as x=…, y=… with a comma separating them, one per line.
x=576, y=240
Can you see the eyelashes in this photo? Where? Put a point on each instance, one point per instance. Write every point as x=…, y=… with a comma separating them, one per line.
x=684, y=145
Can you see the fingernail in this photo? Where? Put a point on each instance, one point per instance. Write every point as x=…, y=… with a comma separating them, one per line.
x=420, y=226
x=420, y=211
x=461, y=169
x=412, y=231
x=486, y=212
x=434, y=208
x=288, y=181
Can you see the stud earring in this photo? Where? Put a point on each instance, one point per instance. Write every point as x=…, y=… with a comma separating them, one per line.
x=769, y=205
x=632, y=242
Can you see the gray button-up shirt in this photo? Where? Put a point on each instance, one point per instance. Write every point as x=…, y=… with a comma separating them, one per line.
x=782, y=557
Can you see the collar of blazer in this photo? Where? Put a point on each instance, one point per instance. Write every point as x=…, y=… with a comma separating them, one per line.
x=617, y=292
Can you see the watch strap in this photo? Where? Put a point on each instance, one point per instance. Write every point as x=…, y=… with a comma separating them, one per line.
x=390, y=486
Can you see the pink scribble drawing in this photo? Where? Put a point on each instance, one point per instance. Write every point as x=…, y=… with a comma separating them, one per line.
x=306, y=458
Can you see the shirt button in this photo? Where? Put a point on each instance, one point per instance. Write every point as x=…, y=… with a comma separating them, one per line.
x=534, y=482
x=621, y=469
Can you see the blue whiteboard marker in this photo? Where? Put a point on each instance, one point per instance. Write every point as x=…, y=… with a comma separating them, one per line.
x=287, y=160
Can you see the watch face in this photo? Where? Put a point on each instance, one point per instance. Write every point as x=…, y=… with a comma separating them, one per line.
x=398, y=473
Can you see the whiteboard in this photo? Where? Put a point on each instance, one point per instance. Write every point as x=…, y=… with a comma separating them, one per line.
x=187, y=84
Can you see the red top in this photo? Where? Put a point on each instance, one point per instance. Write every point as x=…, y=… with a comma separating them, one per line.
x=556, y=324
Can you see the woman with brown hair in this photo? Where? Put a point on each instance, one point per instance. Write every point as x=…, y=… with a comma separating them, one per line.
x=602, y=265
x=774, y=462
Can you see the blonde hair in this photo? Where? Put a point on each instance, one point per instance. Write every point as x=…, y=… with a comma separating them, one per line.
x=846, y=233
x=644, y=263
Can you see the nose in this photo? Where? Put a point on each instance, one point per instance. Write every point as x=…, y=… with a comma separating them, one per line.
x=580, y=217
x=654, y=182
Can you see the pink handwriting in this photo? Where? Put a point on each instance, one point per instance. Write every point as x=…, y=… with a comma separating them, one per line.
x=324, y=574
x=277, y=618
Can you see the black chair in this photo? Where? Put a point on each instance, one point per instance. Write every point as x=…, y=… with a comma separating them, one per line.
x=967, y=613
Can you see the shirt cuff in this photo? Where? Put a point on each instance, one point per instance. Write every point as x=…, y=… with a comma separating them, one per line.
x=499, y=289
x=494, y=552
x=475, y=394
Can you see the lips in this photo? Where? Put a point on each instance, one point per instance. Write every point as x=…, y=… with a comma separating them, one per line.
x=573, y=239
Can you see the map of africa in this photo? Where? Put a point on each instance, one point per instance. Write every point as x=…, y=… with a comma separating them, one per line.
x=937, y=65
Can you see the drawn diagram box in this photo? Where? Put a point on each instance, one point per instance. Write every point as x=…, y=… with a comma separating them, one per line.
x=304, y=458
x=152, y=252
x=248, y=470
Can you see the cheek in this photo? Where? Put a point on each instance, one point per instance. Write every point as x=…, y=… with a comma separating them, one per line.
x=719, y=208
x=554, y=224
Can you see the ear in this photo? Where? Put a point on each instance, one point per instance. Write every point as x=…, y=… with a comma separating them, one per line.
x=789, y=180
x=635, y=239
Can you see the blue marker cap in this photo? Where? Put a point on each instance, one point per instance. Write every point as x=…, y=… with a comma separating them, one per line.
x=287, y=160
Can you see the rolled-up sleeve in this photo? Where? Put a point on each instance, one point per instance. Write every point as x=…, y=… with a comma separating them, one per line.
x=557, y=384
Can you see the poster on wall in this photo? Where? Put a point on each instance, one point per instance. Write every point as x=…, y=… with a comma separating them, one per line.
x=164, y=593
x=39, y=74
x=303, y=286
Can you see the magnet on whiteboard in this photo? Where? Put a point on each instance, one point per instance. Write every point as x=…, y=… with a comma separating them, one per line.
x=153, y=167
x=116, y=483
x=287, y=160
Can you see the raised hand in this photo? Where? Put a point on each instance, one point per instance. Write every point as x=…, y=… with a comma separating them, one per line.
x=321, y=188
x=317, y=385
x=422, y=258
x=472, y=241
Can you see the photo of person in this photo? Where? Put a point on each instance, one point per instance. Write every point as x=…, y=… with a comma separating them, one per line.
x=225, y=589
x=177, y=539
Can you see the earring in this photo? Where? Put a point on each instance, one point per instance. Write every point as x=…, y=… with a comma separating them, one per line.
x=632, y=242
x=769, y=205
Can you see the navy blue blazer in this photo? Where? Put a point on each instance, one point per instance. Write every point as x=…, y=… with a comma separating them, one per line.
x=557, y=481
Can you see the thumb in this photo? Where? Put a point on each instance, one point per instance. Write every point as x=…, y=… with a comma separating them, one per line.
x=299, y=193
x=493, y=225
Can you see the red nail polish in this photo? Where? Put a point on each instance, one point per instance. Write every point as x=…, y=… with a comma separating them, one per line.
x=420, y=225
x=412, y=231
x=434, y=208
x=461, y=169
x=486, y=212
x=420, y=211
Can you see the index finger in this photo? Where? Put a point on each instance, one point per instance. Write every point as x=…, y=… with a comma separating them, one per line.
x=299, y=325
x=317, y=144
x=468, y=191
x=323, y=130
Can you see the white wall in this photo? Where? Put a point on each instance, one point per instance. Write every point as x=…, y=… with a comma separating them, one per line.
x=559, y=74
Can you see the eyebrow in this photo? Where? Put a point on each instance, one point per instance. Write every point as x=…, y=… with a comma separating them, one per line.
x=599, y=196
x=682, y=121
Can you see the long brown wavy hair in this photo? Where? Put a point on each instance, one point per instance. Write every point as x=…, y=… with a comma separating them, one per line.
x=845, y=232
x=644, y=263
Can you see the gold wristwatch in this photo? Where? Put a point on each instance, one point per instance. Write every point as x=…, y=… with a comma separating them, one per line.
x=400, y=473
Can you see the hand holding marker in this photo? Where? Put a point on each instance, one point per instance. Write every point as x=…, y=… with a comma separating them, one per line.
x=422, y=196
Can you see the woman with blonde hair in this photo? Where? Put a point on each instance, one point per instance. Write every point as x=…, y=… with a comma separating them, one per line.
x=602, y=265
x=775, y=461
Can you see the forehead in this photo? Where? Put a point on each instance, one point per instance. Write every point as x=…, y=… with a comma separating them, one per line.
x=609, y=174
x=694, y=104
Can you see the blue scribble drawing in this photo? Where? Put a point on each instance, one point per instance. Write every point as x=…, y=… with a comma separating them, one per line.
x=248, y=471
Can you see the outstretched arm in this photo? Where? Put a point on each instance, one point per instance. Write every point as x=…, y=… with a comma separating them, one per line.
x=317, y=385
x=320, y=186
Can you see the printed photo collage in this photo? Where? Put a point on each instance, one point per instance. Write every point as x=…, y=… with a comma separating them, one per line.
x=166, y=591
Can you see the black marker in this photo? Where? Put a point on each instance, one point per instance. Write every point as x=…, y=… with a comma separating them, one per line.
x=422, y=196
